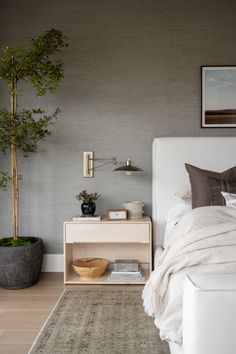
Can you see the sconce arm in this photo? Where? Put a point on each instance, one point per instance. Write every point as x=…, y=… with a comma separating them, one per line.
x=109, y=161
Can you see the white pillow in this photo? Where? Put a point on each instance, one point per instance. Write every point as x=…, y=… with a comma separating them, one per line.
x=230, y=199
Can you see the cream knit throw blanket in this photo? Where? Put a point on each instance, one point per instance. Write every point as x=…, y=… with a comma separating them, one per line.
x=204, y=242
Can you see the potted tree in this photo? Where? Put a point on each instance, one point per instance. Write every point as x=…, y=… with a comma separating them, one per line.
x=21, y=257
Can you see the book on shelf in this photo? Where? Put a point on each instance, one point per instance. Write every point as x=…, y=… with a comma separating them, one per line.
x=114, y=272
x=124, y=277
x=130, y=268
x=128, y=276
x=126, y=261
x=87, y=218
x=136, y=272
x=121, y=265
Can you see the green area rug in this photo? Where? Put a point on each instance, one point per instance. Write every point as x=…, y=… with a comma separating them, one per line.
x=99, y=322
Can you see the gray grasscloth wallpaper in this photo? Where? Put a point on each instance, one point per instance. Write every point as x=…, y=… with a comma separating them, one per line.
x=132, y=73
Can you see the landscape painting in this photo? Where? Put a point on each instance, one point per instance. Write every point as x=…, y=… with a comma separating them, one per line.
x=218, y=96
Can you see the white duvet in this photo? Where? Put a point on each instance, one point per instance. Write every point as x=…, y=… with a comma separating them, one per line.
x=204, y=241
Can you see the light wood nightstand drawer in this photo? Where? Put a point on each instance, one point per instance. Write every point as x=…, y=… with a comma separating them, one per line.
x=107, y=232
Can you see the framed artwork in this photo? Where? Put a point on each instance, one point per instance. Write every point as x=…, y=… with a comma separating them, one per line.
x=117, y=214
x=218, y=96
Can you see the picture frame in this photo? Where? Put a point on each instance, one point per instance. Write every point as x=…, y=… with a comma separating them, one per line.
x=117, y=214
x=218, y=103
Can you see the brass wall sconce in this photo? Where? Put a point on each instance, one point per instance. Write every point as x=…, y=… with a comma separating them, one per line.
x=89, y=167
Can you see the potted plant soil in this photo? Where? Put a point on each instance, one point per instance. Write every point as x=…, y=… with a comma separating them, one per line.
x=20, y=256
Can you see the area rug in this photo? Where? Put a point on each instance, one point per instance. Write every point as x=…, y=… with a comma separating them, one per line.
x=99, y=322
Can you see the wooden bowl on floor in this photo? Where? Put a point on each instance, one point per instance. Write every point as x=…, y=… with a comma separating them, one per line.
x=90, y=268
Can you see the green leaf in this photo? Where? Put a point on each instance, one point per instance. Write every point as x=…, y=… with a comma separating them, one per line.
x=27, y=127
x=4, y=179
x=37, y=65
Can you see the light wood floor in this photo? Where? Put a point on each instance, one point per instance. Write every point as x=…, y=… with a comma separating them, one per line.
x=23, y=312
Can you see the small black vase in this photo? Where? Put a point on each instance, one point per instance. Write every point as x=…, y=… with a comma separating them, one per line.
x=88, y=209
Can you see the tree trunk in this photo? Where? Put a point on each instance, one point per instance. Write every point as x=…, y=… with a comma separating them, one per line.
x=14, y=166
x=15, y=190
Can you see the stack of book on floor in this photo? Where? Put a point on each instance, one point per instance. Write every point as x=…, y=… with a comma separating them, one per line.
x=126, y=270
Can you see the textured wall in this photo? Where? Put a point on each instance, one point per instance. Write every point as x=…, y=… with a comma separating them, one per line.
x=132, y=73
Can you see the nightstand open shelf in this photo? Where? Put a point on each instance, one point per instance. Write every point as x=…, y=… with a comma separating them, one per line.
x=73, y=278
x=129, y=239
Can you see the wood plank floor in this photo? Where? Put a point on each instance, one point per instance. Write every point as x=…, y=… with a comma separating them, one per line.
x=23, y=312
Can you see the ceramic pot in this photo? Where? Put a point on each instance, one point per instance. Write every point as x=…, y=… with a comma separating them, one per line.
x=20, y=266
x=88, y=208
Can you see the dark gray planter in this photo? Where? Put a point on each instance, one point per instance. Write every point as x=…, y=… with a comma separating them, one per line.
x=20, y=267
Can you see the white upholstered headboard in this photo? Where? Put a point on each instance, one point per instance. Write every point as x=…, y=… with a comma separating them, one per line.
x=169, y=174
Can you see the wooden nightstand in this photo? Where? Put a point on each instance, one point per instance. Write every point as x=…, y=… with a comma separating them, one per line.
x=126, y=239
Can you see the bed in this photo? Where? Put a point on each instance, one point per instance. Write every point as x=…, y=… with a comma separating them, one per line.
x=171, y=182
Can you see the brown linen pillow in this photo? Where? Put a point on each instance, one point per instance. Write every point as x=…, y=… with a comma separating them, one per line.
x=207, y=185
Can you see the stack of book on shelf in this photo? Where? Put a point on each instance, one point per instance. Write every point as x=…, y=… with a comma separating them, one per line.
x=126, y=270
x=87, y=218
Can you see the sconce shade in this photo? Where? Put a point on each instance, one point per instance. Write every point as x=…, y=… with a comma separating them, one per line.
x=128, y=167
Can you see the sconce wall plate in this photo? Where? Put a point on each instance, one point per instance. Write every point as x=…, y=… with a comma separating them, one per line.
x=88, y=164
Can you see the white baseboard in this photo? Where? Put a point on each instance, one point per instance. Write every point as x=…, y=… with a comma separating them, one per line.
x=53, y=263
